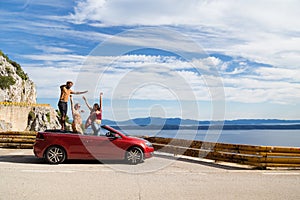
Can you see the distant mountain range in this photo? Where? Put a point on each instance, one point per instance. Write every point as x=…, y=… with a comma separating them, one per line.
x=188, y=122
x=175, y=123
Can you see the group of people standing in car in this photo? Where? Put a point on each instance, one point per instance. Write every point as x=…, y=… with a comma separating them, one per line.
x=95, y=117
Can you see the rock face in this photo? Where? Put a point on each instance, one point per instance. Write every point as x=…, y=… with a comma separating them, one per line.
x=23, y=90
x=42, y=118
x=18, y=108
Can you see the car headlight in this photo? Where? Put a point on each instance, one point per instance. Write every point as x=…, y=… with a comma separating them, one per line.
x=148, y=144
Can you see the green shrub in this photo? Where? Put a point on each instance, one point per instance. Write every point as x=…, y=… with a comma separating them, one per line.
x=48, y=117
x=19, y=69
x=8, y=70
x=6, y=82
x=31, y=116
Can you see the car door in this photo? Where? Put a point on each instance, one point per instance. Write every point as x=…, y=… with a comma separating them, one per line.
x=75, y=146
x=103, y=147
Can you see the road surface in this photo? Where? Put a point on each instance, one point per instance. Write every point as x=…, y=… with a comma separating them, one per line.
x=25, y=177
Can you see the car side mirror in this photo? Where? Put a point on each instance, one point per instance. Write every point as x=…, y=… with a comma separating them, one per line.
x=117, y=135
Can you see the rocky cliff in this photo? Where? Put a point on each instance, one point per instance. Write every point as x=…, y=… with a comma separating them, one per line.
x=18, y=108
x=41, y=118
x=15, y=85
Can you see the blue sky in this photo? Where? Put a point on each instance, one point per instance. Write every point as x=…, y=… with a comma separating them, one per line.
x=190, y=59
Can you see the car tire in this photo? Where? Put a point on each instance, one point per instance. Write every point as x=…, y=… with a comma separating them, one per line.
x=55, y=155
x=134, y=156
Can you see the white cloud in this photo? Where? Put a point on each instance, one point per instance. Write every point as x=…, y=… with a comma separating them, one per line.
x=56, y=57
x=258, y=89
x=235, y=15
x=163, y=78
x=47, y=26
x=276, y=73
x=261, y=31
x=48, y=79
x=157, y=78
x=265, y=31
x=55, y=3
x=52, y=49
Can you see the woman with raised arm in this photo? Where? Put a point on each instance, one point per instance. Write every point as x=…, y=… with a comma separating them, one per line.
x=77, y=120
x=95, y=118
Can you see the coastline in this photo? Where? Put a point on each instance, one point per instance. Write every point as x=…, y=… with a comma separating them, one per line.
x=212, y=127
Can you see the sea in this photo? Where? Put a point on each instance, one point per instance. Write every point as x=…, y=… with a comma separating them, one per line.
x=287, y=138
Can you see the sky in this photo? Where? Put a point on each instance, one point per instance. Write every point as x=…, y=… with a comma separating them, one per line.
x=196, y=59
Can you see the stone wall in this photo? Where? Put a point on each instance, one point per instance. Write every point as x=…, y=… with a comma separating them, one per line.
x=18, y=117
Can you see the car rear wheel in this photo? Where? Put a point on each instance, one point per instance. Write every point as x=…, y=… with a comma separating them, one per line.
x=134, y=156
x=55, y=155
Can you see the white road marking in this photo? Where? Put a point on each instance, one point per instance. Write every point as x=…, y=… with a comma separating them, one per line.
x=181, y=172
x=16, y=153
x=281, y=173
x=63, y=171
x=46, y=171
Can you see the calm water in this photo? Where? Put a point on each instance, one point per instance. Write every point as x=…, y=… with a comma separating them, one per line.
x=289, y=138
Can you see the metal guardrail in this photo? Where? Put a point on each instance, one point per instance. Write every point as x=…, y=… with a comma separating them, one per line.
x=258, y=156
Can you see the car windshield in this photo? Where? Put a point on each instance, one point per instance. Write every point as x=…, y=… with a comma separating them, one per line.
x=114, y=130
x=103, y=131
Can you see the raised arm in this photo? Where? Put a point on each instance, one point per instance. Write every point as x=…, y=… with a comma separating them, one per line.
x=72, y=105
x=87, y=104
x=100, y=103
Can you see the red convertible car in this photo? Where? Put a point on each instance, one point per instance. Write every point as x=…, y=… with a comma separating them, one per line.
x=56, y=146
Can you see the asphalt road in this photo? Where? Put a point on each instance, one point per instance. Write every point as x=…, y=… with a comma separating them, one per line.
x=22, y=176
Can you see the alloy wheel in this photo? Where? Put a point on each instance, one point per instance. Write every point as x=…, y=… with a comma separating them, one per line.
x=55, y=155
x=134, y=155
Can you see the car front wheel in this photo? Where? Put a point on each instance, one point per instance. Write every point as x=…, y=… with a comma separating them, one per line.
x=55, y=155
x=134, y=156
